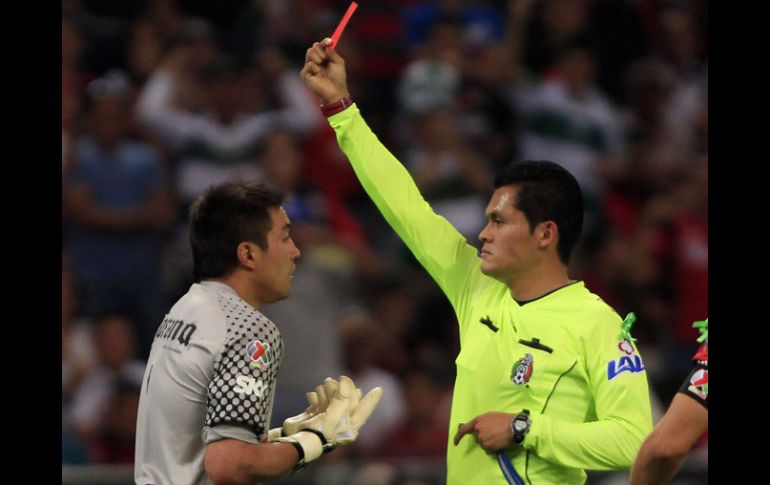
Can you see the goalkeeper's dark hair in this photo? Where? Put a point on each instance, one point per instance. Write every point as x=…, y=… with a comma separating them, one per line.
x=225, y=216
x=547, y=192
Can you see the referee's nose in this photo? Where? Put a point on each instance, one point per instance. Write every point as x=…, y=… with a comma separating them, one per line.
x=485, y=234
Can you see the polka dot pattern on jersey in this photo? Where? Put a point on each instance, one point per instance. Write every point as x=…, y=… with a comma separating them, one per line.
x=243, y=386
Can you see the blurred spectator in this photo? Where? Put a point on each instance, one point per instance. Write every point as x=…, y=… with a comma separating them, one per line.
x=679, y=43
x=445, y=167
x=145, y=50
x=116, y=360
x=373, y=43
x=152, y=43
x=650, y=132
x=361, y=343
x=73, y=450
x=105, y=25
x=484, y=115
x=219, y=142
x=479, y=21
x=200, y=111
x=668, y=267
x=76, y=362
x=321, y=224
x=618, y=28
x=114, y=443
x=430, y=82
x=393, y=301
x=77, y=352
x=569, y=119
x=549, y=26
x=164, y=26
x=673, y=245
x=449, y=173
x=427, y=402
x=71, y=87
x=118, y=204
x=308, y=328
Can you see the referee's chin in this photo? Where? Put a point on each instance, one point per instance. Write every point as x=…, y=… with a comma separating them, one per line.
x=489, y=270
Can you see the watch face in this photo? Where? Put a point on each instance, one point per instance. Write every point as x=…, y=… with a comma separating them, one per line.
x=520, y=425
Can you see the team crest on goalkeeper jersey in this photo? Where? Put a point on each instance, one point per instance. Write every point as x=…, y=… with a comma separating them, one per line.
x=261, y=355
x=522, y=370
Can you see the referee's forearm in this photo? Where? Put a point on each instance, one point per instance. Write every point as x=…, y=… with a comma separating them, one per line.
x=608, y=444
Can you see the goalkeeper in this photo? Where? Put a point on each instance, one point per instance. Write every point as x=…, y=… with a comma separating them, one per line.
x=549, y=382
x=207, y=393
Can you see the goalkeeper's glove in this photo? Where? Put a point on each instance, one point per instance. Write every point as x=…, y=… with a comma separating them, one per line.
x=318, y=400
x=320, y=430
x=358, y=411
x=338, y=425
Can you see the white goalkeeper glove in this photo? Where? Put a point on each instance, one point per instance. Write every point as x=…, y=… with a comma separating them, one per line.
x=318, y=400
x=338, y=425
x=358, y=411
x=319, y=430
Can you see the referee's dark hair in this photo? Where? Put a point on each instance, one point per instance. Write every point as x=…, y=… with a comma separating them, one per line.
x=547, y=192
x=225, y=216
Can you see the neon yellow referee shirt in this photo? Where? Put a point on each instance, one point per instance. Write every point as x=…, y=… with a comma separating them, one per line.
x=560, y=356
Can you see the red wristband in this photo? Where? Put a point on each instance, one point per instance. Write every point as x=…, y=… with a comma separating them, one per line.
x=337, y=106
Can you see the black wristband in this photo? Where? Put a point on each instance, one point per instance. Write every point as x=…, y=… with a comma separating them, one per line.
x=300, y=451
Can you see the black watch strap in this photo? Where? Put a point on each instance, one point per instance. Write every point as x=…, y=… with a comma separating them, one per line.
x=520, y=426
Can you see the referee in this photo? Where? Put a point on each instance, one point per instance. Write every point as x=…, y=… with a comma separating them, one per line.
x=549, y=382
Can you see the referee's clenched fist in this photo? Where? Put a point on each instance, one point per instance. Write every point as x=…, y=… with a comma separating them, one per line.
x=324, y=72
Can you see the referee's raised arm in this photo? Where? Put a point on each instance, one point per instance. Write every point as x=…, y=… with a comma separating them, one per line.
x=436, y=244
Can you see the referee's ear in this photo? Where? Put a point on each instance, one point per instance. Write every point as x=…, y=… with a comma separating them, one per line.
x=249, y=255
x=547, y=234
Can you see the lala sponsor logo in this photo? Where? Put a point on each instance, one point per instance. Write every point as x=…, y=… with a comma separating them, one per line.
x=625, y=363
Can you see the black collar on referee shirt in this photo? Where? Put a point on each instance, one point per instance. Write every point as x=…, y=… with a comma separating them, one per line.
x=522, y=303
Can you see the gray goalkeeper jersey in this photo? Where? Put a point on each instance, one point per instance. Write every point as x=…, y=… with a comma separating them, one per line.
x=211, y=375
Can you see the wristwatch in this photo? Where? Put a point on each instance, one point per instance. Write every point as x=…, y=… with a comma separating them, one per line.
x=520, y=426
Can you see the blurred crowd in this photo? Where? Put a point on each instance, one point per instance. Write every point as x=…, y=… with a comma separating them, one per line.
x=161, y=98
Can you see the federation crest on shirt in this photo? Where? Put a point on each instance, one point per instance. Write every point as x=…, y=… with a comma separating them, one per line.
x=699, y=383
x=522, y=370
x=261, y=355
